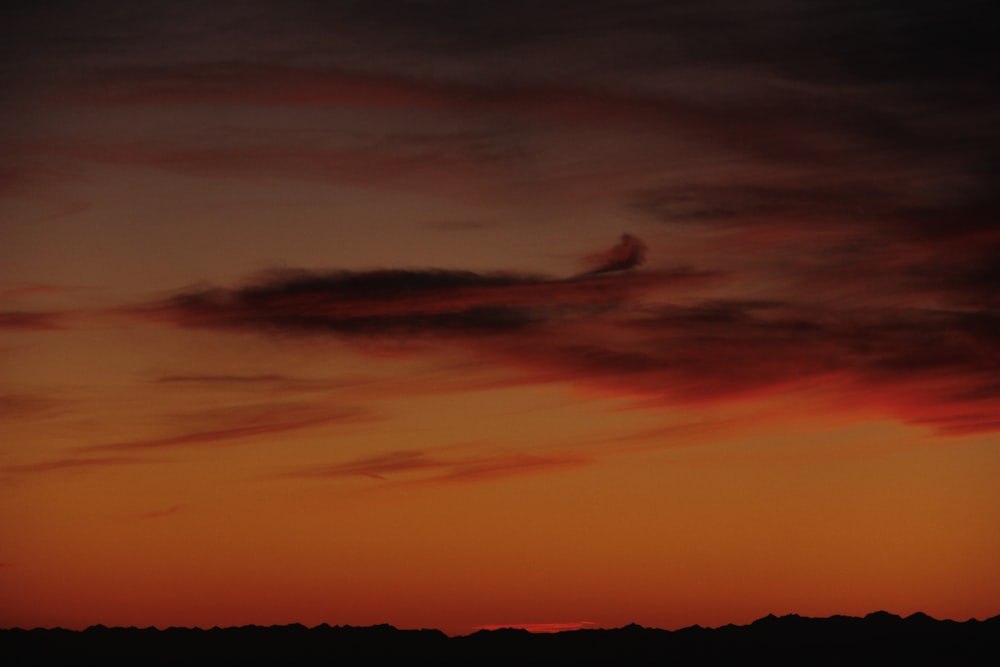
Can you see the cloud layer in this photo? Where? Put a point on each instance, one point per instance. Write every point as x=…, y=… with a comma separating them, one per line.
x=654, y=335
x=419, y=302
x=440, y=467
x=815, y=183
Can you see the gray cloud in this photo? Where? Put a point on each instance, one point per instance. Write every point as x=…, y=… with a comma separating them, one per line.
x=416, y=302
x=628, y=253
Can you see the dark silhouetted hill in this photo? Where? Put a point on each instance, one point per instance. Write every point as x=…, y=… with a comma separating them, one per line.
x=877, y=639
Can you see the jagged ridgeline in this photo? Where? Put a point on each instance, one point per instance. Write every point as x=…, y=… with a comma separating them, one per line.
x=877, y=639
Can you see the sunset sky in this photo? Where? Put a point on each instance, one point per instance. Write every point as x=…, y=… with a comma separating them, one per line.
x=463, y=314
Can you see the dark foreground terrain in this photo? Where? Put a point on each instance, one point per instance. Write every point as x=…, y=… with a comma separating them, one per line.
x=877, y=639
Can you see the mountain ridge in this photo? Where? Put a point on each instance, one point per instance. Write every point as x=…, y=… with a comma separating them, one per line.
x=877, y=638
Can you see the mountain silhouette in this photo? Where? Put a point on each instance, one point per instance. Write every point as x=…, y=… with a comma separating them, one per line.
x=879, y=638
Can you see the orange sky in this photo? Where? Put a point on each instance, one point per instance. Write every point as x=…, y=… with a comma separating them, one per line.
x=560, y=316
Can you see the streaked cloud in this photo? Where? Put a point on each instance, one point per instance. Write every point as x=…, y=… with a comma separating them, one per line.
x=158, y=514
x=459, y=225
x=443, y=465
x=227, y=427
x=265, y=379
x=922, y=366
x=38, y=289
x=30, y=405
x=628, y=253
x=414, y=302
x=30, y=320
x=720, y=408
x=644, y=335
x=75, y=463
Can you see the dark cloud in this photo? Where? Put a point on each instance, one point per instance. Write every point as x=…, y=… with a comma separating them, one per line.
x=358, y=303
x=646, y=335
x=411, y=302
x=855, y=242
x=770, y=73
x=30, y=321
x=846, y=89
x=936, y=368
x=878, y=208
x=766, y=204
x=628, y=253
x=837, y=173
x=812, y=128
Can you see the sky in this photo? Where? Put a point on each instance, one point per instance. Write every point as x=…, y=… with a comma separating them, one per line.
x=459, y=315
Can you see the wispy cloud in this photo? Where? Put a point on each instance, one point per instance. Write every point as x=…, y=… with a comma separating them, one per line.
x=27, y=405
x=264, y=379
x=506, y=466
x=628, y=253
x=158, y=514
x=724, y=120
x=838, y=211
x=30, y=290
x=459, y=225
x=442, y=465
x=31, y=320
x=912, y=364
x=646, y=335
x=414, y=302
x=234, y=426
x=867, y=235
x=56, y=465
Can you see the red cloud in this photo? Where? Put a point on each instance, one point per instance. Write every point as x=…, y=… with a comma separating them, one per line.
x=874, y=337
x=30, y=321
x=613, y=331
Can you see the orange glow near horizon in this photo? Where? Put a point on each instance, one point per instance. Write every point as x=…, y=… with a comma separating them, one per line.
x=707, y=533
